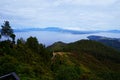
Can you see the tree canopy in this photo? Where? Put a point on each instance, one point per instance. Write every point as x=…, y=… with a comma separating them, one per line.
x=7, y=31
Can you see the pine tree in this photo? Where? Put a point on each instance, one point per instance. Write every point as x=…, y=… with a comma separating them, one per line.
x=6, y=29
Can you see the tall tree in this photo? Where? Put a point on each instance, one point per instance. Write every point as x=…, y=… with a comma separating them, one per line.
x=6, y=30
x=0, y=36
x=13, y=37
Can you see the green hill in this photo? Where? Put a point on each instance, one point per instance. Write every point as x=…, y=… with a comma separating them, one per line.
x=81, y=60
x=95, y=60
x=112, y=42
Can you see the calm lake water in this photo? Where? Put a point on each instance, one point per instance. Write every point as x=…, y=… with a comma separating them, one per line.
x=48, y=38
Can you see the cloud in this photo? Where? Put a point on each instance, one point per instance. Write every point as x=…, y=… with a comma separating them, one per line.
x=86, y=2
x=78, y=14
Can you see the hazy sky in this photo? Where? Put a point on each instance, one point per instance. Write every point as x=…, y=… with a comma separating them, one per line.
x=71, y=14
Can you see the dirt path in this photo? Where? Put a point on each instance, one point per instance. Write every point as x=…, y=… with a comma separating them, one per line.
x=58, y=53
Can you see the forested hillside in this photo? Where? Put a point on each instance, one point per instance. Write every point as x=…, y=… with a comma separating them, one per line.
x=81, y=60
x=94, y=60
x=112, y=42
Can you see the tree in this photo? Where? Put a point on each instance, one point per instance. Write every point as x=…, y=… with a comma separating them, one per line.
x=13, y=37
x=6, y=29
x=20, y=41
x=32, y=43
x=0, y=36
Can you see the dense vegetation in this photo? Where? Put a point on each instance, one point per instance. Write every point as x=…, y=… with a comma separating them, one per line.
x=95, y=60
x=81, y=60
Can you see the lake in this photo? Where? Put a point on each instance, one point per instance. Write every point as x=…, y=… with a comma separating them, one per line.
x=48, y=38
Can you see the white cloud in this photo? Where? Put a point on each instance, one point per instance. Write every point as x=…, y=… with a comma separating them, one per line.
x=78, y=14
x=86, y=2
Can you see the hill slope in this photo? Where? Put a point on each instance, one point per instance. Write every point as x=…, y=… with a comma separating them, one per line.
x=112, y=42
x=95, y=60
x=81, y=60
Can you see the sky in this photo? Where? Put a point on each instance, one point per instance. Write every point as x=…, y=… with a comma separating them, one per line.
x=68, y=14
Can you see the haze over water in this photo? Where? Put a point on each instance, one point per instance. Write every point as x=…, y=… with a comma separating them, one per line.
x=48, y=38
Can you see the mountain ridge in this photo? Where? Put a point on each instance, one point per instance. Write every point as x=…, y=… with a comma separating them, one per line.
x=112, y=42
x=55, y=29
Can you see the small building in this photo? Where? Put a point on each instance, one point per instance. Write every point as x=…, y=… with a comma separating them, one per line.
x=10, y=76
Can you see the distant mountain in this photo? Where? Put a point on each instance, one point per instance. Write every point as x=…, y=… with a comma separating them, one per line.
x=52, y=29
x=55, y=29
x=112, y=42
x=28, y=30
x=114, y=31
